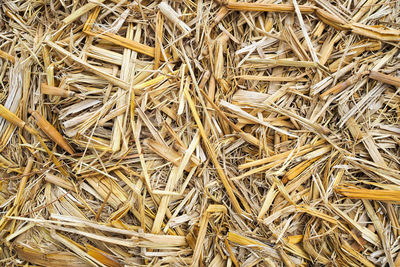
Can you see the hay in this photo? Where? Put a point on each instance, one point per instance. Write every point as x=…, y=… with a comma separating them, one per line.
x=201, y=133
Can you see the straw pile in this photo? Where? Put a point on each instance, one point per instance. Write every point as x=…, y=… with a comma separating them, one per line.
x=202, y=133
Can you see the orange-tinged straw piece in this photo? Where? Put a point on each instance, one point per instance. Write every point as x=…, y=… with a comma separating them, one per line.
x=371, y=194
x=102, y=256
x=50, y=131
x=7, y=56
x=57, y=91
x=11, y=117
x=392, y=80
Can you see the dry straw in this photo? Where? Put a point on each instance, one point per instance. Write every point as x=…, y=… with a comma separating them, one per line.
x=199, y=133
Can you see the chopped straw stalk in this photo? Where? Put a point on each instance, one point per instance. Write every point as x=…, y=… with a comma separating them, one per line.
x=199, y=133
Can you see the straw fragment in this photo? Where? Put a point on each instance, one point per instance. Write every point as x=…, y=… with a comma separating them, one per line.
x=51, y=132
x=199, y=133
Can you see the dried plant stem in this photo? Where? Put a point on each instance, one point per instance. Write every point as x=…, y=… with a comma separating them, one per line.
x=395, y=81
x=51, y=132
x=7, y=56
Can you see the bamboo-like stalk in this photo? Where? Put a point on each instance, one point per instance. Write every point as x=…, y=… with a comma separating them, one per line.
x=360, y=193
x=304, y=31
x=285, y=258
x=56, y=91
x=7, y=56
x=51, y=178
x=269, y=198
x=169, y=154
x=23, y=182
x=331, y=20
x=392, y=80
x=245, y=241
x=91, y=19
x=13, y=119
x=112, y=114
x=379, y=228
x=231, y=254
x=292, y=173
x=375, y=32
x=51, y=131
x=341, y=86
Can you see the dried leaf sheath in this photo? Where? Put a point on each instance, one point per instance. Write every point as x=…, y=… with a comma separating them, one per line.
x=12, y=118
